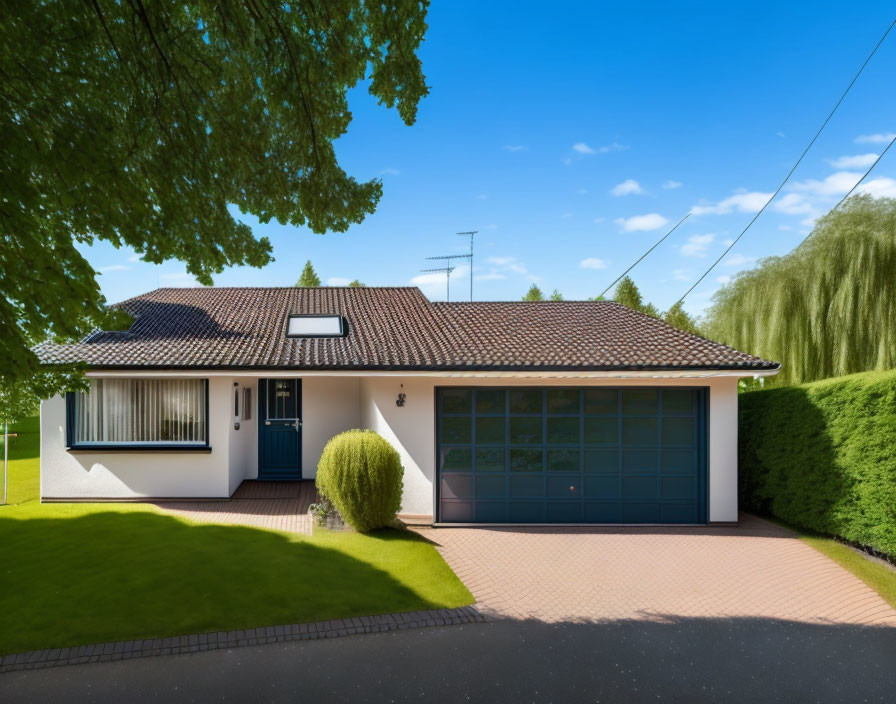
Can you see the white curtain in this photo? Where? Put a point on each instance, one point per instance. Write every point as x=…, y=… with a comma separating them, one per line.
x=141, y=411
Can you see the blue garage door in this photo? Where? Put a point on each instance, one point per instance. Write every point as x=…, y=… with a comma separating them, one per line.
x=558, y=455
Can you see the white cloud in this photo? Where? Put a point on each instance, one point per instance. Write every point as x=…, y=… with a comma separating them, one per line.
x=482, y=196
x=738, y=260
x=433, y=283
x=113, y=267
x=834, y=185
x=742, y=201
x=581, y=191
x=491, y=276
x=592, y=263
x=879, y=187
x=793, y=204
x=627, y=188
x=672, y=185
x=727, y=241
x=879, y=138
x=781, y=134
x=723, y=279
x=514, y=147
x=856, y=161
x=338, y=281
x=508, y=264
x=490, y=226
x=134, y=257
x=642, y=223
x=597, y=221
x=583, y=148
x=785, y=228
x=566, y=216
x=681, y=275
x=697, y=245
x=390, y=172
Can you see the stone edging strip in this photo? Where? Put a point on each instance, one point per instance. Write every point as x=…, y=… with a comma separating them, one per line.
x=124, y=650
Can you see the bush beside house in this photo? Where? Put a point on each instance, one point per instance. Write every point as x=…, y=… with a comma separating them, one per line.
x=822, y=456
x=361, y=474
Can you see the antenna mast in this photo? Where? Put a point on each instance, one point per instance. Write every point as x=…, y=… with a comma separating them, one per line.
x=471, y=234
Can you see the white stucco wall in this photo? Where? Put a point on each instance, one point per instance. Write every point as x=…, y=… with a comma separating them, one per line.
x=330, y=405
x=242, y=458
x=411, y=429
x=128, y=475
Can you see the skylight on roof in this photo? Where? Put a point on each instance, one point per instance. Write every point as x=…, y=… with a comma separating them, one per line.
x=315, y=326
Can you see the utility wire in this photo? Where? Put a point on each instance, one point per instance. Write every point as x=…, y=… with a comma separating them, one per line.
x=857, y=184
x=658, y=243
x=790, y=173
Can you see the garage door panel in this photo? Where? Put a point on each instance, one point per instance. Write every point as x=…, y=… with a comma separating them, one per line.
x=640, y=461
x=492, y=459
x=457, y=459
x=602, y=512
x=678, y=461
x=677, y=488
x=678, y=513
x=602, y=461
x=640, y=513
x=457, y=486
x=564, y=460
x=527, y=512
x=526, y=486
x=457, y=511
x=602, y=487
x=640, y=488
x=457, y=430
x=565, y=512
x=606, y=455
x=564, y=486
x=526, y=460
x=491, y=512
x=491, y=487
x=490, y=430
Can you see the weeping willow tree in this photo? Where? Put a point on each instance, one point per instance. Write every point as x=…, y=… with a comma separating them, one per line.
x=826, y=309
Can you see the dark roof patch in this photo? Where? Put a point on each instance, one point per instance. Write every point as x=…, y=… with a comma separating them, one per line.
x=390, y=328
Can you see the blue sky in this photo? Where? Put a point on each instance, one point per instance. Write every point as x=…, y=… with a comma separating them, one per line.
x=573, y=139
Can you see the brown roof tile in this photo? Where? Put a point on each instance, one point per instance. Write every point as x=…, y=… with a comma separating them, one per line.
x=389, y=328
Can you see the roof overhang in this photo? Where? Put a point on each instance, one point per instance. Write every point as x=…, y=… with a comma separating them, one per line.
x=438, y=374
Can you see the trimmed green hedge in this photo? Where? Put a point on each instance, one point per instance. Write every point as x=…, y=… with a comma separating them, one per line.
x=822, y=456
x=361, y=474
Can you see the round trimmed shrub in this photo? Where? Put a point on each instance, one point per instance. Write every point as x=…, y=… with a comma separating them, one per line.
x=361, y=474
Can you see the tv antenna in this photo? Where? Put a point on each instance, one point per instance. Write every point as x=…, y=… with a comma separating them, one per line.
x=444, y=270
x=471, y=234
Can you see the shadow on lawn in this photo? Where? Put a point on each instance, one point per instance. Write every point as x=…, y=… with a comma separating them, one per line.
x=136, y=574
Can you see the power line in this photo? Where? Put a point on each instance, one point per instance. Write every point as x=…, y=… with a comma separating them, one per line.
x=658, y=243
x=857, y=183
x=790, y=173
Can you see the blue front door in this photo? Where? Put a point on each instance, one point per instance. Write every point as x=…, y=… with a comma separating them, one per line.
x=280, y=429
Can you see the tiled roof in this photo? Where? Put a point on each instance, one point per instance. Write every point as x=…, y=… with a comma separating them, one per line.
x=389, y=328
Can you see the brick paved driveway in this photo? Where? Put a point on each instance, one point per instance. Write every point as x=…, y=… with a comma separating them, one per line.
x=595, y=574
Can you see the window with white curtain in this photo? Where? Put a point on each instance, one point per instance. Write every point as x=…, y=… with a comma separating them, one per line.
x=140, y=412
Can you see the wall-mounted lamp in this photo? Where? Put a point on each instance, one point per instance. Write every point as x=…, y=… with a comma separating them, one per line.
x=400, y=400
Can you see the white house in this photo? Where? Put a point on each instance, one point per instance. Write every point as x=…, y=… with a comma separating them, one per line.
x=519, y=412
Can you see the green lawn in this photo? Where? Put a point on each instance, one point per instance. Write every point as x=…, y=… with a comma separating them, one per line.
x=86, y=573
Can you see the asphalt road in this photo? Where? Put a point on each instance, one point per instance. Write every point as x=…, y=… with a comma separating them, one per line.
x=511, y=661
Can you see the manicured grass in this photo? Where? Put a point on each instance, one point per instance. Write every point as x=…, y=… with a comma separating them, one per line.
x=87, y=573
